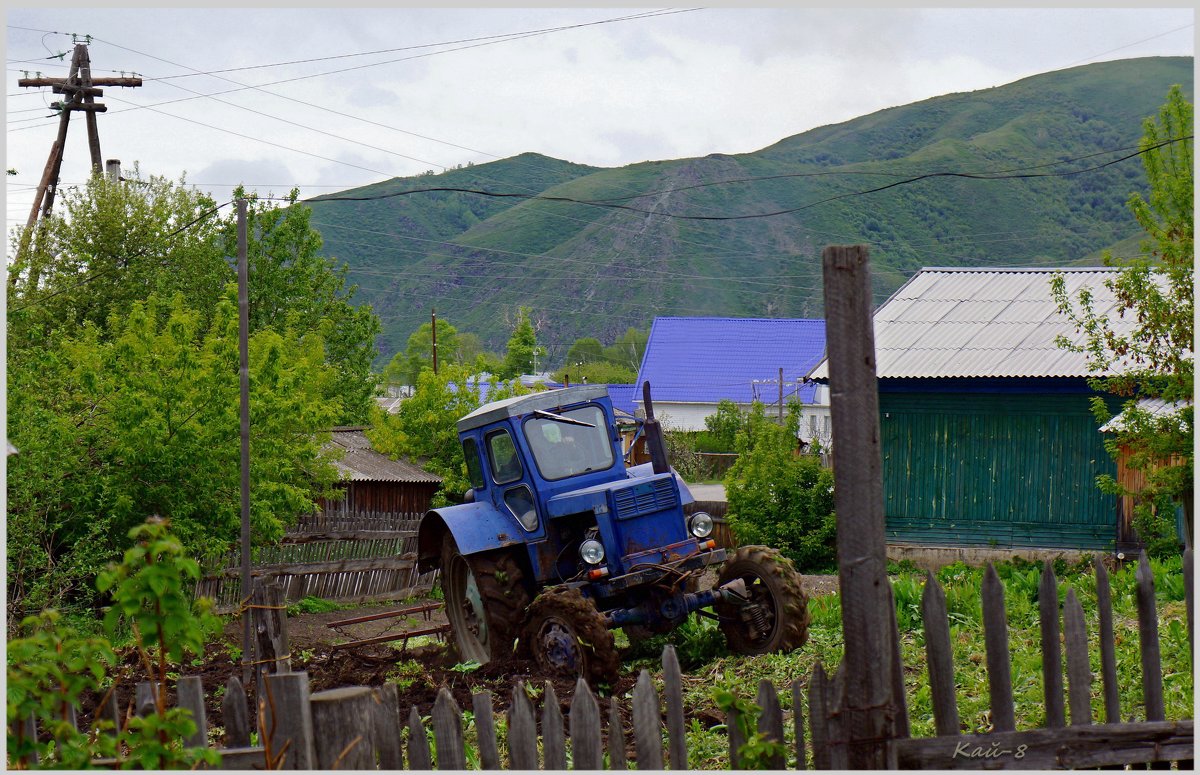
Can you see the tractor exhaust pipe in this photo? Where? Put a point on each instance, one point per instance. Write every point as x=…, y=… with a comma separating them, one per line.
x=654, y=435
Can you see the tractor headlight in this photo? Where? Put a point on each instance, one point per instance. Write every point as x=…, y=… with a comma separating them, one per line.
x=700, y=525
x=592, y=552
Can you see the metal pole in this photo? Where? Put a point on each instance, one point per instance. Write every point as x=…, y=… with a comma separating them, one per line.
x=244, y=375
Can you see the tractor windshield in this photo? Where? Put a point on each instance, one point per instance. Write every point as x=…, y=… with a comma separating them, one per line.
x=567, y=449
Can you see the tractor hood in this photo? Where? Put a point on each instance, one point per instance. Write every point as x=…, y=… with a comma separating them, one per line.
x=596, y=498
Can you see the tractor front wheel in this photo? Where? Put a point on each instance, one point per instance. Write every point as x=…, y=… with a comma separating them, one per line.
x=567, y=636
x=485, y=600
x=774, y=618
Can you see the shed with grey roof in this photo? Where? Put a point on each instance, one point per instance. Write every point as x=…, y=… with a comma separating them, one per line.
x=376, y=483
x=988, y=438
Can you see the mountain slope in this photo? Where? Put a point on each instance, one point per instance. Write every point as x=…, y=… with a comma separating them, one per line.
x=596, y=270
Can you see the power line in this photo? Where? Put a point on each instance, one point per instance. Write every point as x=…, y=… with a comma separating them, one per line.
x=244, y=87
x=646, y=15
x=788, y=211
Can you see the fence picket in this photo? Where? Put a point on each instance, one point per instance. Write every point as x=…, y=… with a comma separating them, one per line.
x=835, y=696
x=900, y=719
x=447, y=732
x=419, y=757
x=343, y=718
x=798, y=723
x=939, y=656
x=616, y=737
x=1079, y=674
x=554, y=746
x=23, y=731
x=145, y=697
x=1108, y=657
x=1052, y=682
x=647, y=724
x=736, y=739
x=818, y=718
x=999, y=660
x=291, y=730
x=1152, y=689
x=585, y=729
x=485, y=730
x=1189, y=592
x=235, y=715
x=673, y=699
x=522, y=732
x=770, y=721
x=111, y=711
x=385, y=727
x=190, y=695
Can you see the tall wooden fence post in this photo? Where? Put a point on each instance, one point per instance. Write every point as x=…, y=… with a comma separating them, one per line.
x=858, y=500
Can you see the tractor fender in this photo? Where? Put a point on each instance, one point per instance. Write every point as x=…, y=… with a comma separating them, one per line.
x=476, y=527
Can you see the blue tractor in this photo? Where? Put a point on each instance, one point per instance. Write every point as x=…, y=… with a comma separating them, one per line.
x=559, y=542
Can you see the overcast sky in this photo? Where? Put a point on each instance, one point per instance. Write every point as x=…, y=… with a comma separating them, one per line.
x=449, y=91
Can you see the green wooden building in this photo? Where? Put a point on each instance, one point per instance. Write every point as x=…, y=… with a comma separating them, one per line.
x=987, y=435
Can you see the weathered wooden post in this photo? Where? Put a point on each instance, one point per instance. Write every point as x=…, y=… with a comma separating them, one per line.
x=289, y=724
x=341, y=720
x=858, y=499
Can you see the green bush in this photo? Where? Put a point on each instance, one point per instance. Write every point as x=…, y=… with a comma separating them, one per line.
x=780, y=498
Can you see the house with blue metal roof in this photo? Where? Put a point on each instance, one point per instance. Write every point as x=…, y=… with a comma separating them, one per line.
x=692, y=363
x=987, y=434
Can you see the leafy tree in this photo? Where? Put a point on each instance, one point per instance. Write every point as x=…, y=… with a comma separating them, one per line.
x=724, y=424
x=628, y=349
x=778, y=497
x=113, y=244
x=424, y=428
x=597, y=373
x=585, y=350
x=523, y=349
x=109, y=245
x=294, y=286
x=142, y=417
x=418, y=355
x=1153, y=356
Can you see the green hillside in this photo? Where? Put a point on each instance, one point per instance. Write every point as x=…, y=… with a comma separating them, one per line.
x=595, y=270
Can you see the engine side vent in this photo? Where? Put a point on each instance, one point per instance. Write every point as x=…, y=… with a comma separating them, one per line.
x=643, y=498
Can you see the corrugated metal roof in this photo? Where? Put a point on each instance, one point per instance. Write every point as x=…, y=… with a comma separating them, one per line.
x=622, y=397
x=703, y=360
x=983, y=323
x=361, y=463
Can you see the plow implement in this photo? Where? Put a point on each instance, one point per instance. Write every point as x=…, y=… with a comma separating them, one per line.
x=402, y=630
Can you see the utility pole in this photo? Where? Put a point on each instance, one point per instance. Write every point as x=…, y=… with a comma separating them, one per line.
x=434, y=314
x=781, y=395
x=80, y=90
x=243, y=272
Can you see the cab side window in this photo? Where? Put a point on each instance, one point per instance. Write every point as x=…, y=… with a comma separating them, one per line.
x=474, y=467
x=502, y=455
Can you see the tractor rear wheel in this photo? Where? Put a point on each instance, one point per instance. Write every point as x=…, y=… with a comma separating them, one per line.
x=485, y=601
x=775, y=618
x=567, y=636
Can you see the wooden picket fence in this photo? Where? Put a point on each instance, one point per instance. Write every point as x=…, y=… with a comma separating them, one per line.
x=365, y=727
x=351, y=557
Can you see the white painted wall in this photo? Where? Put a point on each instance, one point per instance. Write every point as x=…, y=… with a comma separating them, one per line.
x=815, y=422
